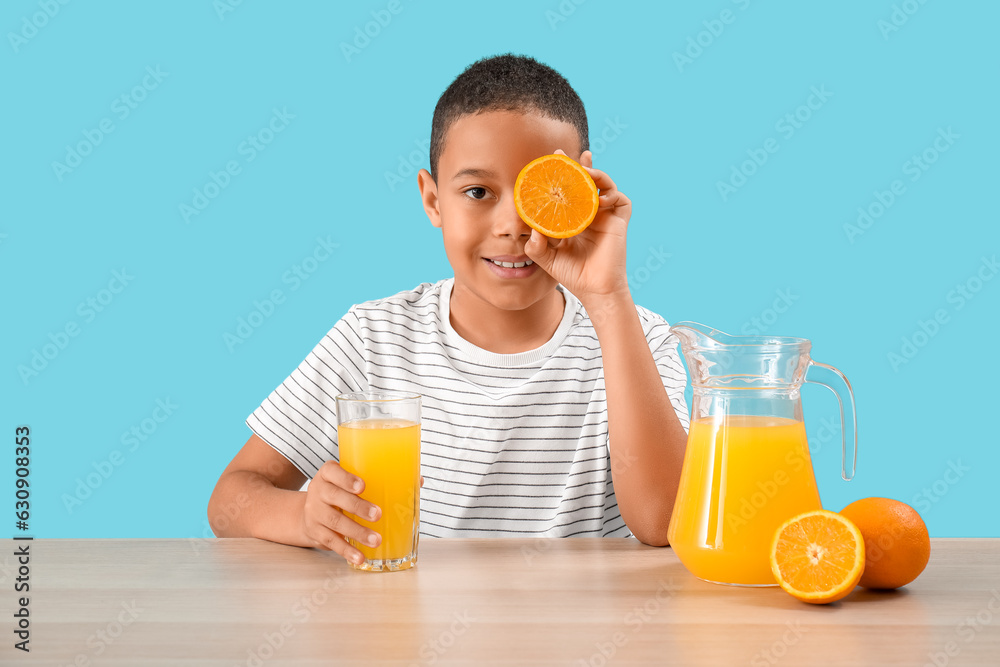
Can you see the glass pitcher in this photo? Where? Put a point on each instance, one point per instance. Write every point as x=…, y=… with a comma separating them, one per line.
x=747, y=467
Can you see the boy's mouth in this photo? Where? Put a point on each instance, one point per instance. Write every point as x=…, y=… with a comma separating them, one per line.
x=510, y=262
x=509, y=266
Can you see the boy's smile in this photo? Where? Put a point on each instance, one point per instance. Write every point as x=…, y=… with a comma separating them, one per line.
x=501, y=300
x=508, y=266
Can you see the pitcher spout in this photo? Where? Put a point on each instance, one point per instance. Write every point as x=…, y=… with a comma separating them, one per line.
x=716, y=358
x=696, y=335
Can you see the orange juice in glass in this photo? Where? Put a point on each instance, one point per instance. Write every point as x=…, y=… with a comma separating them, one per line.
x=379, y=439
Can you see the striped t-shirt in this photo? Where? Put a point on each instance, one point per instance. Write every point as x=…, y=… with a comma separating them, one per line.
x=511, y=444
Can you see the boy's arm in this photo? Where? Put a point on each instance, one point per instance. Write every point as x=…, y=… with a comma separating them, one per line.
x=258, y=495
x=647, y=439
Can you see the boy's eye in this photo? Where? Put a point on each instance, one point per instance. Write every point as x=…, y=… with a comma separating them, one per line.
x=476, y=193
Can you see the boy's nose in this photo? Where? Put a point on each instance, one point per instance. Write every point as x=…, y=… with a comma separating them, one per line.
x=509, y=223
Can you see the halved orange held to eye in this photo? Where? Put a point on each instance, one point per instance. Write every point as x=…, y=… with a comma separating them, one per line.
x=556, y=196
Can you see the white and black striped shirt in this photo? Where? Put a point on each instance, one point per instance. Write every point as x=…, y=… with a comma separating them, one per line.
x=511, y=444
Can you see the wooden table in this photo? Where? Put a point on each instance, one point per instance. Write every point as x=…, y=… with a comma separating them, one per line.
x=476, y=602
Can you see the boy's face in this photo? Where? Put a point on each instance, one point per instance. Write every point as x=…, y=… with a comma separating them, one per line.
x=473, y=202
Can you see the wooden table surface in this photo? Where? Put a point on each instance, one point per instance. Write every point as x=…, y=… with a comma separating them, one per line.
x=476, y=602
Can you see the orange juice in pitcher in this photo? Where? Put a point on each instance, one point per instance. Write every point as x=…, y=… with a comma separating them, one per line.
x=747, y=467
x=768, y=479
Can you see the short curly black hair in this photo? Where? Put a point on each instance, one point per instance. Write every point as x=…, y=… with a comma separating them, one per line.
x=506, y=82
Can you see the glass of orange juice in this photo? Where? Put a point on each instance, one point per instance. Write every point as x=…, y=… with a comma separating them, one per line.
x=379, y=437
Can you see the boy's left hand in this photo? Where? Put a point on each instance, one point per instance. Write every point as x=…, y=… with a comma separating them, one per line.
x=591, y=264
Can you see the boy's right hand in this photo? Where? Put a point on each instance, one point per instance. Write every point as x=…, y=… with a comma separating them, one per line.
x=331, y=493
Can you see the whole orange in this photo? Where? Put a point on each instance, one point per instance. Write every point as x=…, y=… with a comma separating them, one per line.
x=897, y=546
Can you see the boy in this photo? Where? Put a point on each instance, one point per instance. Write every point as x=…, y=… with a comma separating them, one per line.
x=552, y=404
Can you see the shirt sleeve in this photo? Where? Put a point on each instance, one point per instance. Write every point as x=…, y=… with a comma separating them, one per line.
x=299, y=418
x=663, y=345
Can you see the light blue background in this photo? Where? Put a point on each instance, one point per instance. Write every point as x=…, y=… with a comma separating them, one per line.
x=680, y=130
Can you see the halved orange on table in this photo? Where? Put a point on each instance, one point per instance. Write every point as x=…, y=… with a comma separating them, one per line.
x=818, y=556
x=556, y=196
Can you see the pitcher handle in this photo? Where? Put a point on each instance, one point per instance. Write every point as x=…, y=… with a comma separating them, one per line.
x=834, y=380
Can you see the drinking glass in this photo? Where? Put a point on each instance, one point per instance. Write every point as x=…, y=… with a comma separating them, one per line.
x=379, y=436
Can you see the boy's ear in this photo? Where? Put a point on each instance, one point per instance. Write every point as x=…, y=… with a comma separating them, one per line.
x=429, y=196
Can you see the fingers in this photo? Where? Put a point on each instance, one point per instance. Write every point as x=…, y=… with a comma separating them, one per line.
x=330, y=497
x=540, y=249
x=586, y=158
x=326, y=539
x=613, y=200
x=336, y=520
x=333, y=473
x=347, y=501
x=328, y=527
x=601, y=179
x=610, y=196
